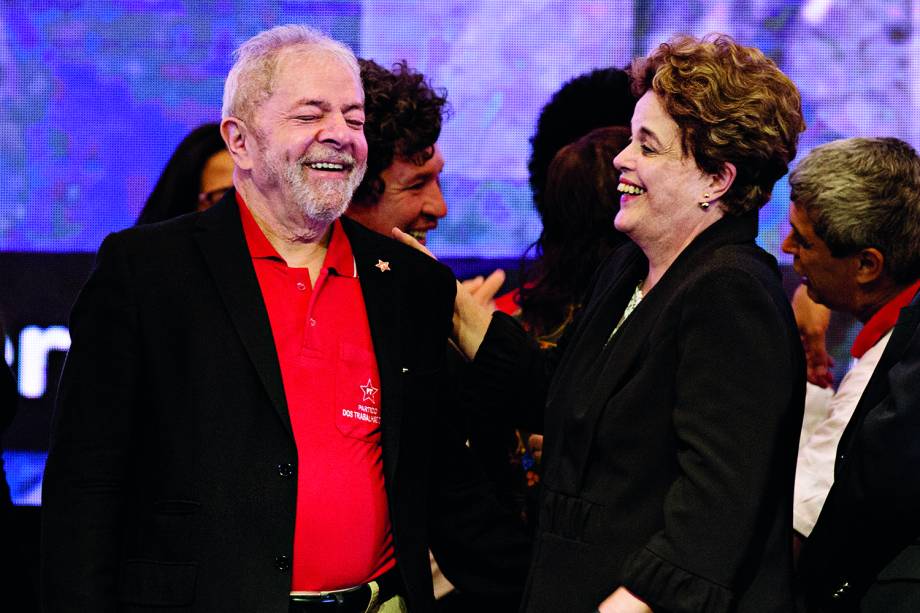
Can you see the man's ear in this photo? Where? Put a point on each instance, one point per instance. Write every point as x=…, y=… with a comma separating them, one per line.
x=722, y=181
x=870, y=265
x=240, y=141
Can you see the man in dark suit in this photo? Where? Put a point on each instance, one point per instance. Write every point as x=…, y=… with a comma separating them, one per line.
x=855, y=238
x=245, y=418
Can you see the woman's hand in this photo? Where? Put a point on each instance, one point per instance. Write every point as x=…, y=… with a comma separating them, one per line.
x=622, y=601
x=471, y=319
x=813, y=321
x=484, y=289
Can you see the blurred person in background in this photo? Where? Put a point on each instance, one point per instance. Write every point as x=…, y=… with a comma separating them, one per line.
x=197, y=175
x=580, y=202
x=598, y=99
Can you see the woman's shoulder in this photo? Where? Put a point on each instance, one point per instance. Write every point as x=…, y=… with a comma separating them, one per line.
x=625, y=256
x=742, y=259
x=739, y=275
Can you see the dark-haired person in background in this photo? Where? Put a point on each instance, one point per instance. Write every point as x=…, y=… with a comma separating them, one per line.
x=578, y=232
x=592, y=100
x=196, y=176
x=402, y=186
x=579, y=203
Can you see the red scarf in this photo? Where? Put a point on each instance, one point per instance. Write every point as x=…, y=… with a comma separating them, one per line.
x=883, y=321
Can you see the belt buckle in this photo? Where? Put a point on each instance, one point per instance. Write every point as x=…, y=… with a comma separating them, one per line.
x=347, y=600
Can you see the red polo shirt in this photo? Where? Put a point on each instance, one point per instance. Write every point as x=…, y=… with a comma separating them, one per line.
x=342, y=534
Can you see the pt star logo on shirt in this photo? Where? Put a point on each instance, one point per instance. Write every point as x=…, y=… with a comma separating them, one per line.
x=370, y=392
x=382, y=265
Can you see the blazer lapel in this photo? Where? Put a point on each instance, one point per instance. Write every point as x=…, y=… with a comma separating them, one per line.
x=590, y=349
x=382, y=290
x=877, y=388
x=592, y=372
x=605, y=365
x=223, y=245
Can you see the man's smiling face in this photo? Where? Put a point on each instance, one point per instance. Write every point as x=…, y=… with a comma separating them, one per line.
x=311, y=149
x=411, y=200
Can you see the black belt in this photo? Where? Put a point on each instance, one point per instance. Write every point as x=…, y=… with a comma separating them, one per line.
x=351, y=600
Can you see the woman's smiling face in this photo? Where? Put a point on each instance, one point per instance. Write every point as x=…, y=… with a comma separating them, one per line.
x=661, y=186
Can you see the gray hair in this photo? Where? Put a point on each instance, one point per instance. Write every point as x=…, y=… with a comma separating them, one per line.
x=250, y=80
x=864, y=192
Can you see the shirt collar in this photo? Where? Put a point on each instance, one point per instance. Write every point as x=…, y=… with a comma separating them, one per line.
x=339, y=257
x=883, y=321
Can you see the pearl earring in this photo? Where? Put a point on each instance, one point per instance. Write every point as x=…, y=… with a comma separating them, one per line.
x=705, y=204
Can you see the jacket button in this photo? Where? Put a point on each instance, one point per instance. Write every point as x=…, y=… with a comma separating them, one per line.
x=283, y=564
x=285, y=470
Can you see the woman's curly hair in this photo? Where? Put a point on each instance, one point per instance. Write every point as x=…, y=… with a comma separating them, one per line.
x=731, y=104
x=403, y=116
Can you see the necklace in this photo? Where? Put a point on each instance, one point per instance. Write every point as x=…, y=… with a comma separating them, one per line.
x=634, y=301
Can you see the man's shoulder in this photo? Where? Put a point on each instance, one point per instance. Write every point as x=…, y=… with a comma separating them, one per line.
x=156, y=250
x=154, y=233
x=367, y=243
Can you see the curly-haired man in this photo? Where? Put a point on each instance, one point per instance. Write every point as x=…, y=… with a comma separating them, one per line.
x=402, y=187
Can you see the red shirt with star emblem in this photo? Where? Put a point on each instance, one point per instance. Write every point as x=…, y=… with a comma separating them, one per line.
x=342, y=533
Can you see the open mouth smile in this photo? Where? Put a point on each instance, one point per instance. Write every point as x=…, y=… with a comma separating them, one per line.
x=625, y=187
x=419, y=235
x=328, y=166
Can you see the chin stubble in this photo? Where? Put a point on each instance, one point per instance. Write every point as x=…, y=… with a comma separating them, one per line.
x=322, y=201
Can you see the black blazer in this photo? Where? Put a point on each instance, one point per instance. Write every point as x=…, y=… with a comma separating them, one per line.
x=171, y=477
x=670, y=450
x=864, y=554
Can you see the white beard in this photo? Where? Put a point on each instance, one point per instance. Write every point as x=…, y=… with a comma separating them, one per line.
x=319, y=201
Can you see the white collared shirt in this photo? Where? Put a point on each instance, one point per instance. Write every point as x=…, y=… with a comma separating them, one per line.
x=826, y=417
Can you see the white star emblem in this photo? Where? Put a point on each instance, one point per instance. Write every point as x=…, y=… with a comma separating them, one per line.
x=383, y=266
x=369, y=392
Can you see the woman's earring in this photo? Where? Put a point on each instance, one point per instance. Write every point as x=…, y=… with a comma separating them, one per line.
x=705, y=204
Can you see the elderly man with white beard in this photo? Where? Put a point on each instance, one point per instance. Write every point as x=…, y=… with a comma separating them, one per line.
x=245, y=418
